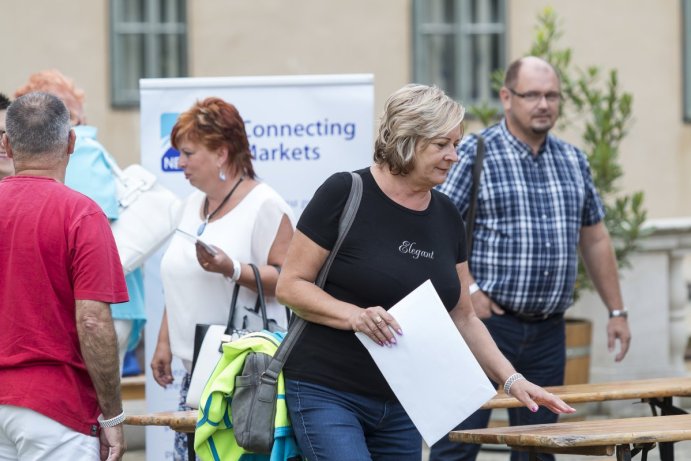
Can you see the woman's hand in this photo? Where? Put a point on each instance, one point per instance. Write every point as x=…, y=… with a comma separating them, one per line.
x=218, y=262
x=377, y=324
x=532, y=395
x=160, y=364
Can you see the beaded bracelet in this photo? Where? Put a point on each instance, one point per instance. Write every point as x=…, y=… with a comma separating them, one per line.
x=119, y=419
x=237, y=270
x=509, y=382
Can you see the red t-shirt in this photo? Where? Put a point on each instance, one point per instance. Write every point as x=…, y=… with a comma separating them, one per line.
x=55, y=246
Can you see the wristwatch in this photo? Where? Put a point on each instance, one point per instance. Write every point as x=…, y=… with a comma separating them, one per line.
x=619, y=313
x=474, y=288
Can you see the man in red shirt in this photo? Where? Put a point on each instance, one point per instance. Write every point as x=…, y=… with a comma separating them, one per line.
x=59, y=271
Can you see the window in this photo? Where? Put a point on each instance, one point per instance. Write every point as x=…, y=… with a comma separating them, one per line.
x=458, y=44
x=686, y=47
x=148, y=38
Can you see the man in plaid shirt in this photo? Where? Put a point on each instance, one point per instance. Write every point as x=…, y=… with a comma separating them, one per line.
x=537, y=207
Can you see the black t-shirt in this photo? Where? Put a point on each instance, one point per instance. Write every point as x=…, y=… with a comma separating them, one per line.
x=389, y=251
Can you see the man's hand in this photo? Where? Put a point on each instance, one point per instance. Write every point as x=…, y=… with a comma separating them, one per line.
x=618, y=328
x=112, y=443
x=484, y=306
x=601, y=264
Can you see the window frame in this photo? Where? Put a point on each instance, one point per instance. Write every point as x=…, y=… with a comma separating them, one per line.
x=463, y=32
x=154, y=32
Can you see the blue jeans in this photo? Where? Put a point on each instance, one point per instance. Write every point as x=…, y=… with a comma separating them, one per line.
x=538, y=351
x=331, y=425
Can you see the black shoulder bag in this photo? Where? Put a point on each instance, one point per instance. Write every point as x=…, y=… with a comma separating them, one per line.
x=253, y=406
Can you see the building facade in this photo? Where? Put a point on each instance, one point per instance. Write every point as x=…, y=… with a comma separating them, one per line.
x=105, y=45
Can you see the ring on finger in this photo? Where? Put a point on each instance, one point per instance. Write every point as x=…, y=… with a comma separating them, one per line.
x=378, y=320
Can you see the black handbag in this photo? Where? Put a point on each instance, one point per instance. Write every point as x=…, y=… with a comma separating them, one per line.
x=230, y=331
x=241, y=320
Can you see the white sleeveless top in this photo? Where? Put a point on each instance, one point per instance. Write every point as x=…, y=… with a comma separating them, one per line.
x=193, y=295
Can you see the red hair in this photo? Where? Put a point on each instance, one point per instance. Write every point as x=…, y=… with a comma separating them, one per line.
x=215, y=123
x=54, y=82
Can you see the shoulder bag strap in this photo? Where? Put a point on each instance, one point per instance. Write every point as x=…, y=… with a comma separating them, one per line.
x=344, y=223
x=259, y=306
x=233, y=304
x=297, y=325
x=475, y=190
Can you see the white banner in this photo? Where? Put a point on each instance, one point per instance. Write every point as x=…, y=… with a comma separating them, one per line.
x=301, y=129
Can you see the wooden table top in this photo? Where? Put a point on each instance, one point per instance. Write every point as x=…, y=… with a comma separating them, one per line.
x=579, y=437
x=185, y=421
x=180, y=421
x=614, y=390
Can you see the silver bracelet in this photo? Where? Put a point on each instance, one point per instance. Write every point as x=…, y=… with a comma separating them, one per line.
x=237, y=270
x=509, y=382
x=119, y=419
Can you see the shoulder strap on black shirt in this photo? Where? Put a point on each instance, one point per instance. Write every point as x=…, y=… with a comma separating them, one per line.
x=297, y=324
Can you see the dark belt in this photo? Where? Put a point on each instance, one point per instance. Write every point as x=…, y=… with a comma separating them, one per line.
x=533, y=317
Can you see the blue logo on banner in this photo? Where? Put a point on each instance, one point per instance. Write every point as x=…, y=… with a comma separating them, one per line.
x=169, y=160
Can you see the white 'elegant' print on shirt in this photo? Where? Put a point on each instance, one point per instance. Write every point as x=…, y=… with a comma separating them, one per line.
x=409, y=247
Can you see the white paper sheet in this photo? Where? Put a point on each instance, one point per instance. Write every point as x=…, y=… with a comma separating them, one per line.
x=430, y=369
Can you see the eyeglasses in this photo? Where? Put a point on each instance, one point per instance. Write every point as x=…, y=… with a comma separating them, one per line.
x=533, y=97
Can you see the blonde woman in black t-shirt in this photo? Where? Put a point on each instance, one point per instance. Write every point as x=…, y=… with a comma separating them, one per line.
x=404, y=233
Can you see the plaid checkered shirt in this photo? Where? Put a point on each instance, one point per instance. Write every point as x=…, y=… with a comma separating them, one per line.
x=529, y=214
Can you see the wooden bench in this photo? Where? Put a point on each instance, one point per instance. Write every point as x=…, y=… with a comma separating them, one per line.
x=179, y=421
x=656, y=392
x=627, y=437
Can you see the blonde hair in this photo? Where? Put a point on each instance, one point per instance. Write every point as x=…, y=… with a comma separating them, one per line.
x=54, y=82
x=413, y=114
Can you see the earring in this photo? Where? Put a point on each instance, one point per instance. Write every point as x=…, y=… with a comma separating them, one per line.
x=222, y=174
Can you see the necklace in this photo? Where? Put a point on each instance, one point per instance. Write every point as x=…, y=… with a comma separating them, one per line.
x=208, y=215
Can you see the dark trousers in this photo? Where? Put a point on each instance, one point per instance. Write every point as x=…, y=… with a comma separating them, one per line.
x=535, y=349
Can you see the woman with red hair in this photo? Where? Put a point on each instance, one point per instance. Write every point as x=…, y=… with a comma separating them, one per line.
x=244, y=220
